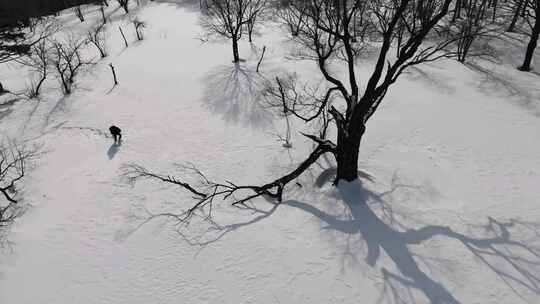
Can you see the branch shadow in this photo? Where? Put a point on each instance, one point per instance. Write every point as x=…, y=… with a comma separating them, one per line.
x=216, y=232
x=60, y=106
x=514, y=262
x=6, y=106
x=205, y=236
x=235, y=92
x=432, y=80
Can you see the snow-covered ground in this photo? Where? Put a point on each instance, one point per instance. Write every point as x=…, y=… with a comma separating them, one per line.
x=447, y=210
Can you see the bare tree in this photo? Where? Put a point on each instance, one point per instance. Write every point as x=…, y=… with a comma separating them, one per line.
x=37, y=58
x=255, y=13
x=470, y=28
x=96, y=36
x=38, y=61
x=124, y=4
x=533, y=22
x=292, y=16
x=66, y=59
x=230, y=18
x=326, y=35
x=13, y=163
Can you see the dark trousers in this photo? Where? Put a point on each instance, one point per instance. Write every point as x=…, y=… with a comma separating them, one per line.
x=117, y=138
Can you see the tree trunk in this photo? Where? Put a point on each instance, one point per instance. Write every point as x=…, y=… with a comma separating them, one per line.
x=516, y=16
x=457, y=10
x=40, y=83
x=250, y=25
x=529, y=54
x=103, y=14
x=235, y=49
x=67, y=90
x=532, y=43
x=348, y=147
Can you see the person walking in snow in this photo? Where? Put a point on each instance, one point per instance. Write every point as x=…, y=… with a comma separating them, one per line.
x=116, y=133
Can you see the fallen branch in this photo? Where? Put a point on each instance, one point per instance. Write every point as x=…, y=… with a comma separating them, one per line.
x=209, y=191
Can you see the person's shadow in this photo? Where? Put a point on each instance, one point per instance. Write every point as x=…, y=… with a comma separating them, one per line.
x=113, y=149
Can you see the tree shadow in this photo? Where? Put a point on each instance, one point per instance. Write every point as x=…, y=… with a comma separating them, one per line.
x=514, y=262
x=329, y=173
x=499, y=82
x=235, y=92
x=60, y=106
x=432, y=80
x=6, y=106
x=507, y=248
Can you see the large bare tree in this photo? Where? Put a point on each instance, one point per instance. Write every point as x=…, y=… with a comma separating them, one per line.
x=403, y=31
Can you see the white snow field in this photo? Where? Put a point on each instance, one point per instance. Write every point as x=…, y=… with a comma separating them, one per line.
x=447, y=209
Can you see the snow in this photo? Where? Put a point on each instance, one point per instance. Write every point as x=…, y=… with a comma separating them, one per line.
x=446, y=210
